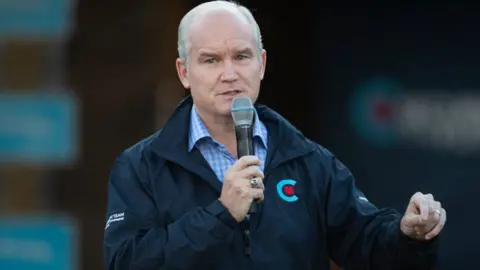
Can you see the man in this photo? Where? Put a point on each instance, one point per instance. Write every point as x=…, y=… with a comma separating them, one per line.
x=179, y=199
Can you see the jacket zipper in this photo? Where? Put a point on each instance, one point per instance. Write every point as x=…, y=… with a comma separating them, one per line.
x=246, y=222
x=246, y=236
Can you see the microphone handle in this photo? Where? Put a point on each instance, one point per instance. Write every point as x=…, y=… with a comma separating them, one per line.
x=244, y=135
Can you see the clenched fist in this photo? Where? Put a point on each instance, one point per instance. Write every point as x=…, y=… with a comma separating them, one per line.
x=424, y=218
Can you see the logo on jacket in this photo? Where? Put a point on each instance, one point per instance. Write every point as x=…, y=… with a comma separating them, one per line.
x=286, y=190
x=114, y=218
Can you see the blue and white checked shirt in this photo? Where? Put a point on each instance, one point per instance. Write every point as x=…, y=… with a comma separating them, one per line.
x=217, y=154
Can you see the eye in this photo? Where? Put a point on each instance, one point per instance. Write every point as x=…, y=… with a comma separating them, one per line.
x=210, y=61
x=241, y=57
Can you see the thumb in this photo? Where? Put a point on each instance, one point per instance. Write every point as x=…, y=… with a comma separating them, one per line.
x=411, y=219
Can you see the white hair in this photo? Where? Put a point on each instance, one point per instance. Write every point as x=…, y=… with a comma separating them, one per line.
x=186, y=22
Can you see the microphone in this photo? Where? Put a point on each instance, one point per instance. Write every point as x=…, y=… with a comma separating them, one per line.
x=243, y=114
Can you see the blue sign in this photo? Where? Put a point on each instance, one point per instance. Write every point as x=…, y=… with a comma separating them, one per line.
x=40, y=244
x=38, y=128
x=50, y=18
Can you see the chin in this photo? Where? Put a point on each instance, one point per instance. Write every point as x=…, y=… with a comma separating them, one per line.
x=225, y=112
x=224, y=109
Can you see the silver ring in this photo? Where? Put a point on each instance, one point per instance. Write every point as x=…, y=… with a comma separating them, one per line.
x=254, y=181
x=438, y=211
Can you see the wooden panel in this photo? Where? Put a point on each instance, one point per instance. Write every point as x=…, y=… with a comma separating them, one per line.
x=119, y=56
x=24, y=65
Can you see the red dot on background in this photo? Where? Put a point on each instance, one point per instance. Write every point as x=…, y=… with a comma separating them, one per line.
x=382, y=111
x=289, y=190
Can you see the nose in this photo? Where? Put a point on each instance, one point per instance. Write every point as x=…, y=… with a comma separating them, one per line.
x=229, y=72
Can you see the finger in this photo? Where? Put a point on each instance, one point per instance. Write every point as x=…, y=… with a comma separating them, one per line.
x=423, y=207
x=414, y=204
x=438, y=228
x=417, y=195
x=257, y=194
x=414, y=220
x=246, y=161
x=418, y=230
x=428, y=197
x=435, y=210
x=251, y=172
x=259, y=183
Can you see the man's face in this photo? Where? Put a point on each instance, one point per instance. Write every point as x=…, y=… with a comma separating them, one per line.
x=224, y=62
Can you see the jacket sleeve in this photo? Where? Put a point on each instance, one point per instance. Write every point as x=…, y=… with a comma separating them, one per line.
x=137, y=237
x=360, y=236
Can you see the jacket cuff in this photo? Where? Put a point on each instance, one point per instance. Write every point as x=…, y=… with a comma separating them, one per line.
x=417, y=252
x=221, y=212
x=419, y=246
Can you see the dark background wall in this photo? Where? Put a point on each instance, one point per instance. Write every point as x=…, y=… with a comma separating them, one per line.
x=430, y=53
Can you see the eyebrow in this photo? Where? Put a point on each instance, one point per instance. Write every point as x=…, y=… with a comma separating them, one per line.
x=210, y=54
x=205, y=54
x=246, y=51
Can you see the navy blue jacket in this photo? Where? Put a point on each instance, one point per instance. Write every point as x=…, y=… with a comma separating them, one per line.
x=164, y=213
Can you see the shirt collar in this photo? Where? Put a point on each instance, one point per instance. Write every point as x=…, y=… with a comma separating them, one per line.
x=199, y=131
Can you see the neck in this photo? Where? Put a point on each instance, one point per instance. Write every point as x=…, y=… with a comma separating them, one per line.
x=221, y=128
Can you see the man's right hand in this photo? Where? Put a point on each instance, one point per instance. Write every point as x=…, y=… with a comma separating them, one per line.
x=237, y=192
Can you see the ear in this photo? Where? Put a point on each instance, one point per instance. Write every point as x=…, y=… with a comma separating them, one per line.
x=182, y=72
x=263, y=64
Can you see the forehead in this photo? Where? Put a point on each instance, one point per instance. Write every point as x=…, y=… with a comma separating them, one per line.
x=221, y=30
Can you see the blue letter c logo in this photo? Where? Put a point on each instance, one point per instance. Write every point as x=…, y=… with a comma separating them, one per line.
x=286, y=190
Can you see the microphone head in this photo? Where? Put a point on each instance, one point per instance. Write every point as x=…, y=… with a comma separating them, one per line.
x=243, y=111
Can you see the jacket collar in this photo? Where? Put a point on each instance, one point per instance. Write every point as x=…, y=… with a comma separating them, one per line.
x=171, y=143
x=198, y=130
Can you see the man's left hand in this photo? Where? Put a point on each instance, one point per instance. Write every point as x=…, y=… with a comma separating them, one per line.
x=424, y=218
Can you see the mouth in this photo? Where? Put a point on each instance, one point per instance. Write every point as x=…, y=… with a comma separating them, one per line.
x=231, y=93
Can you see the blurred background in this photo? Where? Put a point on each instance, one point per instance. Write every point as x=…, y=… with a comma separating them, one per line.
x=391, y=89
